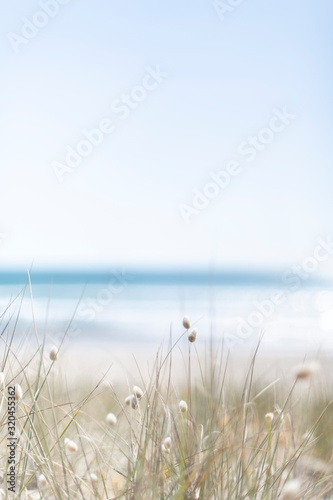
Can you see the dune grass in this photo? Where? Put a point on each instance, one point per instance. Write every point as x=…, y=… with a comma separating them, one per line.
x=211, y=435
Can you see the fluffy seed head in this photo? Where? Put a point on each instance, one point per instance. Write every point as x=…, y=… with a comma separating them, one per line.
x=134, y=402
x=305, y=371
x=183, y=406
x=164, y=449
x=167, y=443
x=137, y=392
x=186, y=322
x=128, y=400
x=71, y=447
x=93, y=478
x=269, y=417
x=111, y=419
x=53, y=353
x=18, y=392
x=291, y=490
x=41, y=482
x=192, y=336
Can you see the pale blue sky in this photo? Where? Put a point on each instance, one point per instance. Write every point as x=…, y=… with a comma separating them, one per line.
x=121, y=204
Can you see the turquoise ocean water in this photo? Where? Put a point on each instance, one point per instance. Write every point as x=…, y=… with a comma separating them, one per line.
x=132, y=306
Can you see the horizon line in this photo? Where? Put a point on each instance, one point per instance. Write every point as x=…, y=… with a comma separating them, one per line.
x=161, y=276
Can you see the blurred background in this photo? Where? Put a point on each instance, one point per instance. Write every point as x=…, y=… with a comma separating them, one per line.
x=118, y=119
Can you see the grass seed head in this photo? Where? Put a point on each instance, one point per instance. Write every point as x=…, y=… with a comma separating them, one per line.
x=18, y=392
x=41, y=482
x=183, y=406
x=186, y=322
x=128, y=400
x=167, y=443
x=137, y=392
x=269, y=417
x=291, y=490
x=134, y=402
x=111, y=419
x=53, y=353
x=306, y=370
x=71, y=447
x=93, y=478
x=192, y=336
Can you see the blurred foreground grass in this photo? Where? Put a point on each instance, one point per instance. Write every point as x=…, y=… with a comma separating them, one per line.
x=212, y=436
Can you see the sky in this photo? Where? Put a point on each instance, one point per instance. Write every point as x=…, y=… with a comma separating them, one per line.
x=183, y=93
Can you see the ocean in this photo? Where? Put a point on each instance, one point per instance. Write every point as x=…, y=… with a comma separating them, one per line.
x=237, y=308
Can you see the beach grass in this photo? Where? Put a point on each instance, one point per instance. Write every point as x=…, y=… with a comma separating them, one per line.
x=213, y=433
